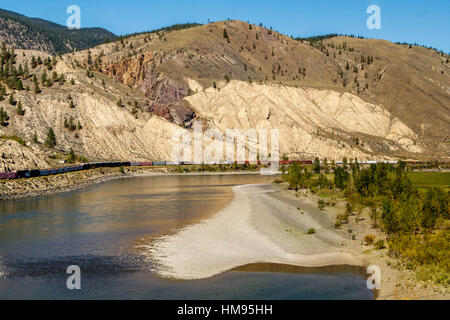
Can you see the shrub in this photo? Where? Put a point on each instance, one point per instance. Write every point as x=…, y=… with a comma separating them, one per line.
x=312, y=231
x=369, y=239
x=321, y=204
x=380, y=245
x=15, y=138
x=343, y=217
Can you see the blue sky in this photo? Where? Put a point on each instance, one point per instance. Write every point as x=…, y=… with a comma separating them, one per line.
x=423, y=22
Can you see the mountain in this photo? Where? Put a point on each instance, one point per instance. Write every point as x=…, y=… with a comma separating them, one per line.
x=330, y=97
x=38, y=34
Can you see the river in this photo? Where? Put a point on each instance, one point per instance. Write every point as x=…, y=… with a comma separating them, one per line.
x=100, y=227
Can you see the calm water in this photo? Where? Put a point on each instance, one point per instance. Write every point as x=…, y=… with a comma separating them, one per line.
x=97, y=229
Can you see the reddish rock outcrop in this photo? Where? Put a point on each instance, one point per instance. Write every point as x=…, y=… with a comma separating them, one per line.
x=165, y=95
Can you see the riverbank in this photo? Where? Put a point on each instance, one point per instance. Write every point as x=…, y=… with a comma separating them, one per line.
x=269, y=224
x=67, y=182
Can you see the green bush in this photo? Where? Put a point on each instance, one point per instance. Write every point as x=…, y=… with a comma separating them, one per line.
x=15, y=138
x=380, y=245
x=321, y=204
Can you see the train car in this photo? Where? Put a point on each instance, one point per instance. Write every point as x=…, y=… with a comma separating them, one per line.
x=135, y=164
x=44, y=172
x=187, y=163
x=87, y=166
x=3, y=175
x=11, y=175
x=23, y=174
x=60, y=170
x=53, y=171
x=34, y=173
x=159, y=163
x=146, y=164
x=172, y=163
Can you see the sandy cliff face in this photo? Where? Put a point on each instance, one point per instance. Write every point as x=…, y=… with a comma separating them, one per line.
x=14, y=156
x=298, y=113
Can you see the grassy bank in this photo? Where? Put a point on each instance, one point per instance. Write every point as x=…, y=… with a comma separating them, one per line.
x=423, y=180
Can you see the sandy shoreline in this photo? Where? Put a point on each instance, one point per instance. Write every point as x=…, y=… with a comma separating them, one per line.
x=247, y=232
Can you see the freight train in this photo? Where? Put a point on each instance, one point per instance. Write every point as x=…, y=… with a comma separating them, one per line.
x=20, y=174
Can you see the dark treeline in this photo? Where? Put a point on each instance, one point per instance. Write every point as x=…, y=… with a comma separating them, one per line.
x=61, y=38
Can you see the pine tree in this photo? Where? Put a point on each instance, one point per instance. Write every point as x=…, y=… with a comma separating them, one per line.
x=3, y=117
x=72, y=157
x=72, y=126
x=19, y=110
x=33, y=62
x=317, y=166
x=11, y=100
x=89, y=60
x=36, y=88
x=19, y=84
x=51, y=139
x=44, y=78
x=26, y=71
x=35, y=138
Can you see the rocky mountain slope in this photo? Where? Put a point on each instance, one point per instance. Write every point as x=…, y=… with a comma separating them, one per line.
x=343, y=96
x=38, y=34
